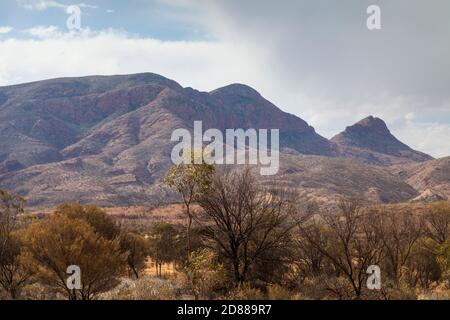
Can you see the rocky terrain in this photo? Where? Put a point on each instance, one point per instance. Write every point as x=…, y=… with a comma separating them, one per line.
x=431, y=179
x=106, y=140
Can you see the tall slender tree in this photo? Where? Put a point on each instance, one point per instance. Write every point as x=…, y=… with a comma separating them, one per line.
x=190, y=180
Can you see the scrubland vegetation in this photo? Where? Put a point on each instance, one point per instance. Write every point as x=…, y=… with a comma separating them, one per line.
x=241, y=240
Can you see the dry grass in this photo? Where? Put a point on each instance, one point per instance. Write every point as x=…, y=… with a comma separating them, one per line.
x=168, y=270
x=133, y=217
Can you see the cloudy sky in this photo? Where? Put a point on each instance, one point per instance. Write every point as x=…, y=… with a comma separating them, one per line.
x=316, y=59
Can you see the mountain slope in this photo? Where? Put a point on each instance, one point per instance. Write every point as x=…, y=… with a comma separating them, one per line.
x=218, y=109
x=106, y=140
x=37, y=120
x=325, y=179
x=370, y=141
x=91, y=180
x=431, y=178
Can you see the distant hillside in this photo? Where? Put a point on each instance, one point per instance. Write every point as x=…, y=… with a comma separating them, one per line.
x=106, y=140
x=324, y=178
x=370, y=141
x=431, y=179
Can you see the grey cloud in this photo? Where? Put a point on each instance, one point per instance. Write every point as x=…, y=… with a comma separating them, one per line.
x=327, y=44
x=323, y=50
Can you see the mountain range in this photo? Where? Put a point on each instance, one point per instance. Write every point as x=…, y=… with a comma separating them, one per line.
x=106, y=140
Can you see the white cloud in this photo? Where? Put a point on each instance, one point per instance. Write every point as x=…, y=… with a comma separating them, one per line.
x=44, y=32
x=42, y=5
x=5, y=30
x=52, y=53
x=85, y=5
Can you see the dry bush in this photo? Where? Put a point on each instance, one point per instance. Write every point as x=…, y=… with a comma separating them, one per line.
x=405, y=293
x=277, y=292
x=57, y=242
x=13, y=275
x=245, y=292
x=145, y=288
x=155, y=289
x=136, y=248
x=440, y=292
x=206, y=275
x=37, y=291
x=102, y=223
x=443, y=258
x=423, y=267
x=437, y=222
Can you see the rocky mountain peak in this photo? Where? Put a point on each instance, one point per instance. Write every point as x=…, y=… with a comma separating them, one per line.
x=372, y=123
x=371, y=140
x=237, y=89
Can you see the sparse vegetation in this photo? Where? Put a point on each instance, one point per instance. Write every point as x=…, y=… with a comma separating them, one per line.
x=247, y=241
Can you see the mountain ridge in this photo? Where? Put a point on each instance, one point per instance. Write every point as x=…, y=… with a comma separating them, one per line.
x=106, y=139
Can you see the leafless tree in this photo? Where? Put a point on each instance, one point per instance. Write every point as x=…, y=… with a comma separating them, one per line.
x=349, y=242
x=437, y=222
x=310, y=258
x=398, y=231
x=245, y=220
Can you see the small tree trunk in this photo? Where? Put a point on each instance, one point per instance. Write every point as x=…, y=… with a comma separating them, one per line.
x=188, y=235
x=237, y=273
x=13, y=294
x=136, y=274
